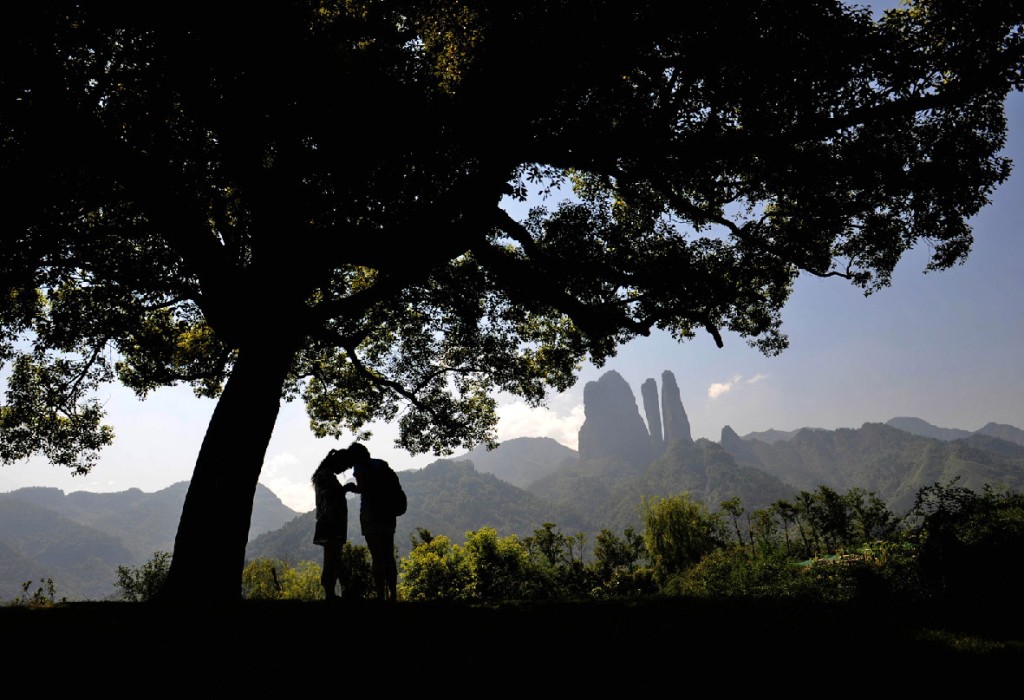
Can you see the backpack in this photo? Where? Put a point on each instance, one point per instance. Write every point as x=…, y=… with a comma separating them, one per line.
x=396, y=498
x=399, y=502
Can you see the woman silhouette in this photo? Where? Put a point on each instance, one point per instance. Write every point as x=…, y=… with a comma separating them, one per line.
x=331, y=531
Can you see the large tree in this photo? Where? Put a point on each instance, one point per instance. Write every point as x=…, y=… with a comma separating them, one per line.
x=305, y=200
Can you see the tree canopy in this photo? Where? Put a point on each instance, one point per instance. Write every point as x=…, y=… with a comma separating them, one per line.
x=305, y=201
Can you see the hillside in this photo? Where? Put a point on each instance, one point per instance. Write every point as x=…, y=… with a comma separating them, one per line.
x=38, y=543
x=522, y=461
x=611, y=497
x=447, y=498
x=892, y=463
x=79, y=539
x=451, y=497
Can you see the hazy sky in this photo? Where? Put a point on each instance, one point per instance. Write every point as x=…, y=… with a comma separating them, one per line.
x=944, y=347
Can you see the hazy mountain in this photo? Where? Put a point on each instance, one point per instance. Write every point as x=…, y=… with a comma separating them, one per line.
x=447, y=498
x=40, y=543
x=624, y=458
x=916, y=426
x=920, y=427
x=521, y=461
x=892, y=463
x=773, y=436
x=1003, y=432
x=144, y=522
x=611, y=496
x=79, y=539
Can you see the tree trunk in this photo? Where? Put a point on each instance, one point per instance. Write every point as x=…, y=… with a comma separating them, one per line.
x=209, y=549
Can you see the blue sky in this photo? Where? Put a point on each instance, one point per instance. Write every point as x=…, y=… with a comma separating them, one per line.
x=944, y=347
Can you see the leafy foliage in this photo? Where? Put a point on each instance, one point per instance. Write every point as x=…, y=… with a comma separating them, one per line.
x=544, y=566
x=140, y=583
x=558, y=565
x=959, y=547
x=680, y=532
x=501, y=565
x=301, y=582
x=618, y=565
x=436, y=569
x=189, y=207
x=265, y=578
x=970, y=544
x=44, y=596
x=260, y=580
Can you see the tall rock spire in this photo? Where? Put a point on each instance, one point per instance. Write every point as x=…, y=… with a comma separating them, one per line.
x=613, y=428
x=649, y=392
x=677, y=425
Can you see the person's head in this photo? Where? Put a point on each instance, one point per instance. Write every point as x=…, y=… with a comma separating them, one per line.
x=336, y=462
x=358, y=453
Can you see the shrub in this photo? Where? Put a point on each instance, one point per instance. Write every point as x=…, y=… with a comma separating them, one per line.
x=139, y=584
x=45, y=595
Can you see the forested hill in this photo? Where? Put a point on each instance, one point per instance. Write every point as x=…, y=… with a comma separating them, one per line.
x=884, y=460
x=522, y=461
x=453, y=497
x=447, y=498
x=917, y=426
x=80, y=538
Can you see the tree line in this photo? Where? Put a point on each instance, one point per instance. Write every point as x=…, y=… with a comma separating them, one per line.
x=955, y=545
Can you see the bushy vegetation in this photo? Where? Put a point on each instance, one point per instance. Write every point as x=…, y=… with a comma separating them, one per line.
x=139, y=584
x=956, y=545
x=272, y=579
x=44, y=596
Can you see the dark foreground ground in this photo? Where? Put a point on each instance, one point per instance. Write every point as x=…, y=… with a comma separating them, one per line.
x=655, y=647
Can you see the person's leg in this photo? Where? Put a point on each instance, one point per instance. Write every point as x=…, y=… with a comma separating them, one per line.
x=377, y=545
x=331, y=570
x=391, y=569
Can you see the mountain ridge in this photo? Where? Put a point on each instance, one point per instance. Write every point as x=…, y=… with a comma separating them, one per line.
x=526, y=483
x=78, y=539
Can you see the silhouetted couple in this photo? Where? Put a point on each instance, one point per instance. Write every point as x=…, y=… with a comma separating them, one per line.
x=376, y=522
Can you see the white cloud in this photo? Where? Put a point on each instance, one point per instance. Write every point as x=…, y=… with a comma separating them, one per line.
x=519, y=420
x=297, y=495
x=719, y=388
x=756, y=378
x=288, y=477
x=275, y=463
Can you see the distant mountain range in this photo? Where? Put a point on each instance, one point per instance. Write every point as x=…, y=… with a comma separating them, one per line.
x=79, y=539
x=624, y=457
